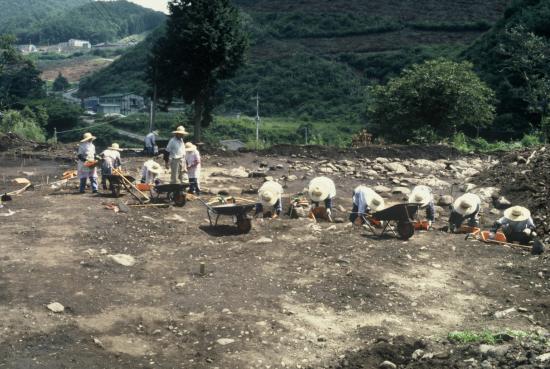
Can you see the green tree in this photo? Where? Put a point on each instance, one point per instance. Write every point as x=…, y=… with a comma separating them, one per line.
x=22, y=124
x=19, y=77
x=61, y=83
x=204, y=43
x=437, y=98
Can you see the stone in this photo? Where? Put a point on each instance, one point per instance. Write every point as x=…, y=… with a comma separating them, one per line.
x=468, y=187
x=502, y=203
x=123, y=259
x=56, y=307
x=494, y=351
x=262, y=240
x=417, y=354
x=225, y=341
x=543, y=358
x=381, y=189
x=503, y=313
x=239, y=172
x=382, y=160
x=396, y=168
x=292, y=178
x=370, y=173
x=387, y=365
x=486, y=193
x=445, y=200
x=401, y=190
x=326, y=170
x=257, y=174
x=486, y=364
x=495, y=211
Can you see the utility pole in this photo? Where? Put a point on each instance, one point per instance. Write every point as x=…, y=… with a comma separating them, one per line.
x=153, y=104
x=306, y=135
x=257, y=119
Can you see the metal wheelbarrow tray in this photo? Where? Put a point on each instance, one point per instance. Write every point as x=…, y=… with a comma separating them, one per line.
x=116, y=183
x=238, y=211
x=175, y=192
x=399, y=219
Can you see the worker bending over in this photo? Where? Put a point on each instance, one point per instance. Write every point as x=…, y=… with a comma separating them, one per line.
x=150, y=172
x=322, y=189
x=365, y=200
x=176, y=151
x=270, y=199
x=422, y=195
x=110, y=159
x=466, y=207
x=193, y=163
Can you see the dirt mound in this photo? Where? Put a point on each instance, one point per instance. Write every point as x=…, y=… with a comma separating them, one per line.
x=408, y=353
x=524, y=179
x=10, y=141
x=432, y=152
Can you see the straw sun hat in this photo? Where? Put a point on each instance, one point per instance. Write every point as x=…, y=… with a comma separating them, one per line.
x=420, y=195
x=321, y=188
x=153, y=167
x=190, y=147
x=88, y=137
x=466, y=204
x=517, y=213
x=115, y=147
x=269, y=193
x=180, y=131
x=374, y=201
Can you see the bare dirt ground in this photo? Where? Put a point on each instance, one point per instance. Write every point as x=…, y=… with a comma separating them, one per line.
x=73, y=69
x=290, y=294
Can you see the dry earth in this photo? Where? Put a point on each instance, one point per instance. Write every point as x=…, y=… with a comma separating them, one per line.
x=290, y=294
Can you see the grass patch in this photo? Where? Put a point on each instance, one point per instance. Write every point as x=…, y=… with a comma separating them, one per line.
x=490, y=337
x=467, y=144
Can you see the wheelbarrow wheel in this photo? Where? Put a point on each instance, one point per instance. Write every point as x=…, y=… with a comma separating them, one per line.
x=405, y=230
x=115, y=190
x=244, y=225
x=178, y=198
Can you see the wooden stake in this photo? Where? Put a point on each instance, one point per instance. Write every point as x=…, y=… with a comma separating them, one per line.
x=202, y=269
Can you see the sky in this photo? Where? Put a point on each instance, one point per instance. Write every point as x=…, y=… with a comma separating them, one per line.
x=160, y=5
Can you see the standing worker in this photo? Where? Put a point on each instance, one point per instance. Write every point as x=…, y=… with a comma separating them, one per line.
x=322, y=189
x=422, y=195
x=110, y=160
x=150, y=144
x=365, y=200
x=466, y=207
x=86, y=162
x=270, y=196
x=193, y=162
x=176, y=151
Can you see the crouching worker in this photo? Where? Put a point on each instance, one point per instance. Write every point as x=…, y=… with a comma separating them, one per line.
x=110, y=160
x=270, y=197
x=321, y=189
x=150, y=172
x=516, y=224
x=193, y=162
x=86, y=166
x=466, y=207
x=422, y=195
x=365, y=201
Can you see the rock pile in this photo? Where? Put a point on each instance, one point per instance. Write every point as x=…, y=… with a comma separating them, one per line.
x=524, y=179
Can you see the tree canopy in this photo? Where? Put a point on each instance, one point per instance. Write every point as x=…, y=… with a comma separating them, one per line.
x=60, y=83
x=203, y=44
x=432, y=100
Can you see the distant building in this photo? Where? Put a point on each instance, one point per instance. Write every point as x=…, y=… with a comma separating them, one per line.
x=27, y=49
x=121, y=103
x=73, y=43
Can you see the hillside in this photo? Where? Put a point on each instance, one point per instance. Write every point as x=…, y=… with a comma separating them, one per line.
x=312, y=58
x=95, y=21
x=16, y=15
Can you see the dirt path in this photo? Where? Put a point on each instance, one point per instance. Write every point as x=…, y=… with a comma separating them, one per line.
x=300, y=298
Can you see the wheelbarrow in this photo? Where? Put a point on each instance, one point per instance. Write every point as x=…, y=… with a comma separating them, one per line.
x=398, y=219
x=175, y=192
x=239, y=212
x=117, y=182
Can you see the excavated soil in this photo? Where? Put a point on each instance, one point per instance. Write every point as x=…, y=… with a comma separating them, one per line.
x=290, y=294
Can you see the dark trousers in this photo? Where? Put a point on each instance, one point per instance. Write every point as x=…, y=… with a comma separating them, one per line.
x=194, y=186
x=519, y=237
x=354, y=213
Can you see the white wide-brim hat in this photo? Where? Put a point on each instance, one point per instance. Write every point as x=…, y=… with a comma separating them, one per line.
x=88, y=137
x=155, y=132
x=374, y=200
x=190, y=147
x=269, y=192
x=466, y=204
x=420, y=195
x=115, y=147
x=153, y=167
x=268, y=198
x=181, y=131
x=320, y=188
x=517, y=213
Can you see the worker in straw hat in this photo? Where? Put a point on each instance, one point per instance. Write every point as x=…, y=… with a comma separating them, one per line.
x=110, y=159
x=516, y=224
x=150, y=172
x=365, y=200
x=270, y=199
x=422, y=195
x=150, y=144
x=86, y=158
x=466, y=207
x=322, y=189
x=176, y=152
x=193, y=163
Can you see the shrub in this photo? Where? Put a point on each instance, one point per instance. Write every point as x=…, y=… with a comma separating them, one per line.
x=24, y=126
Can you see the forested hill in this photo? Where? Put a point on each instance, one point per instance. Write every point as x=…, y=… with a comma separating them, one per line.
x=16, y=15
x=314, y=57
x=96, y=21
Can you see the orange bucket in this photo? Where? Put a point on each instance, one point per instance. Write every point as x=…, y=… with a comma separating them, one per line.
x=143, y=186
x=423, y=225
x=499, y=237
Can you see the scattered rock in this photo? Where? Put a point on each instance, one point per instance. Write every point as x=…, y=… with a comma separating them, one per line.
x=387, y=365
x=239, y=172
x=494, y=351
x=262, y=240
x=123, y=259
x=225, y=341
x=502, y=203
x=381, y=189
x=445, y=200
x=56, y=307
x=418, y=354
x=382, y=160
x=543, y=358
x=503, y=313
x=401, y=190
x=397, y=168
x=291, y=178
